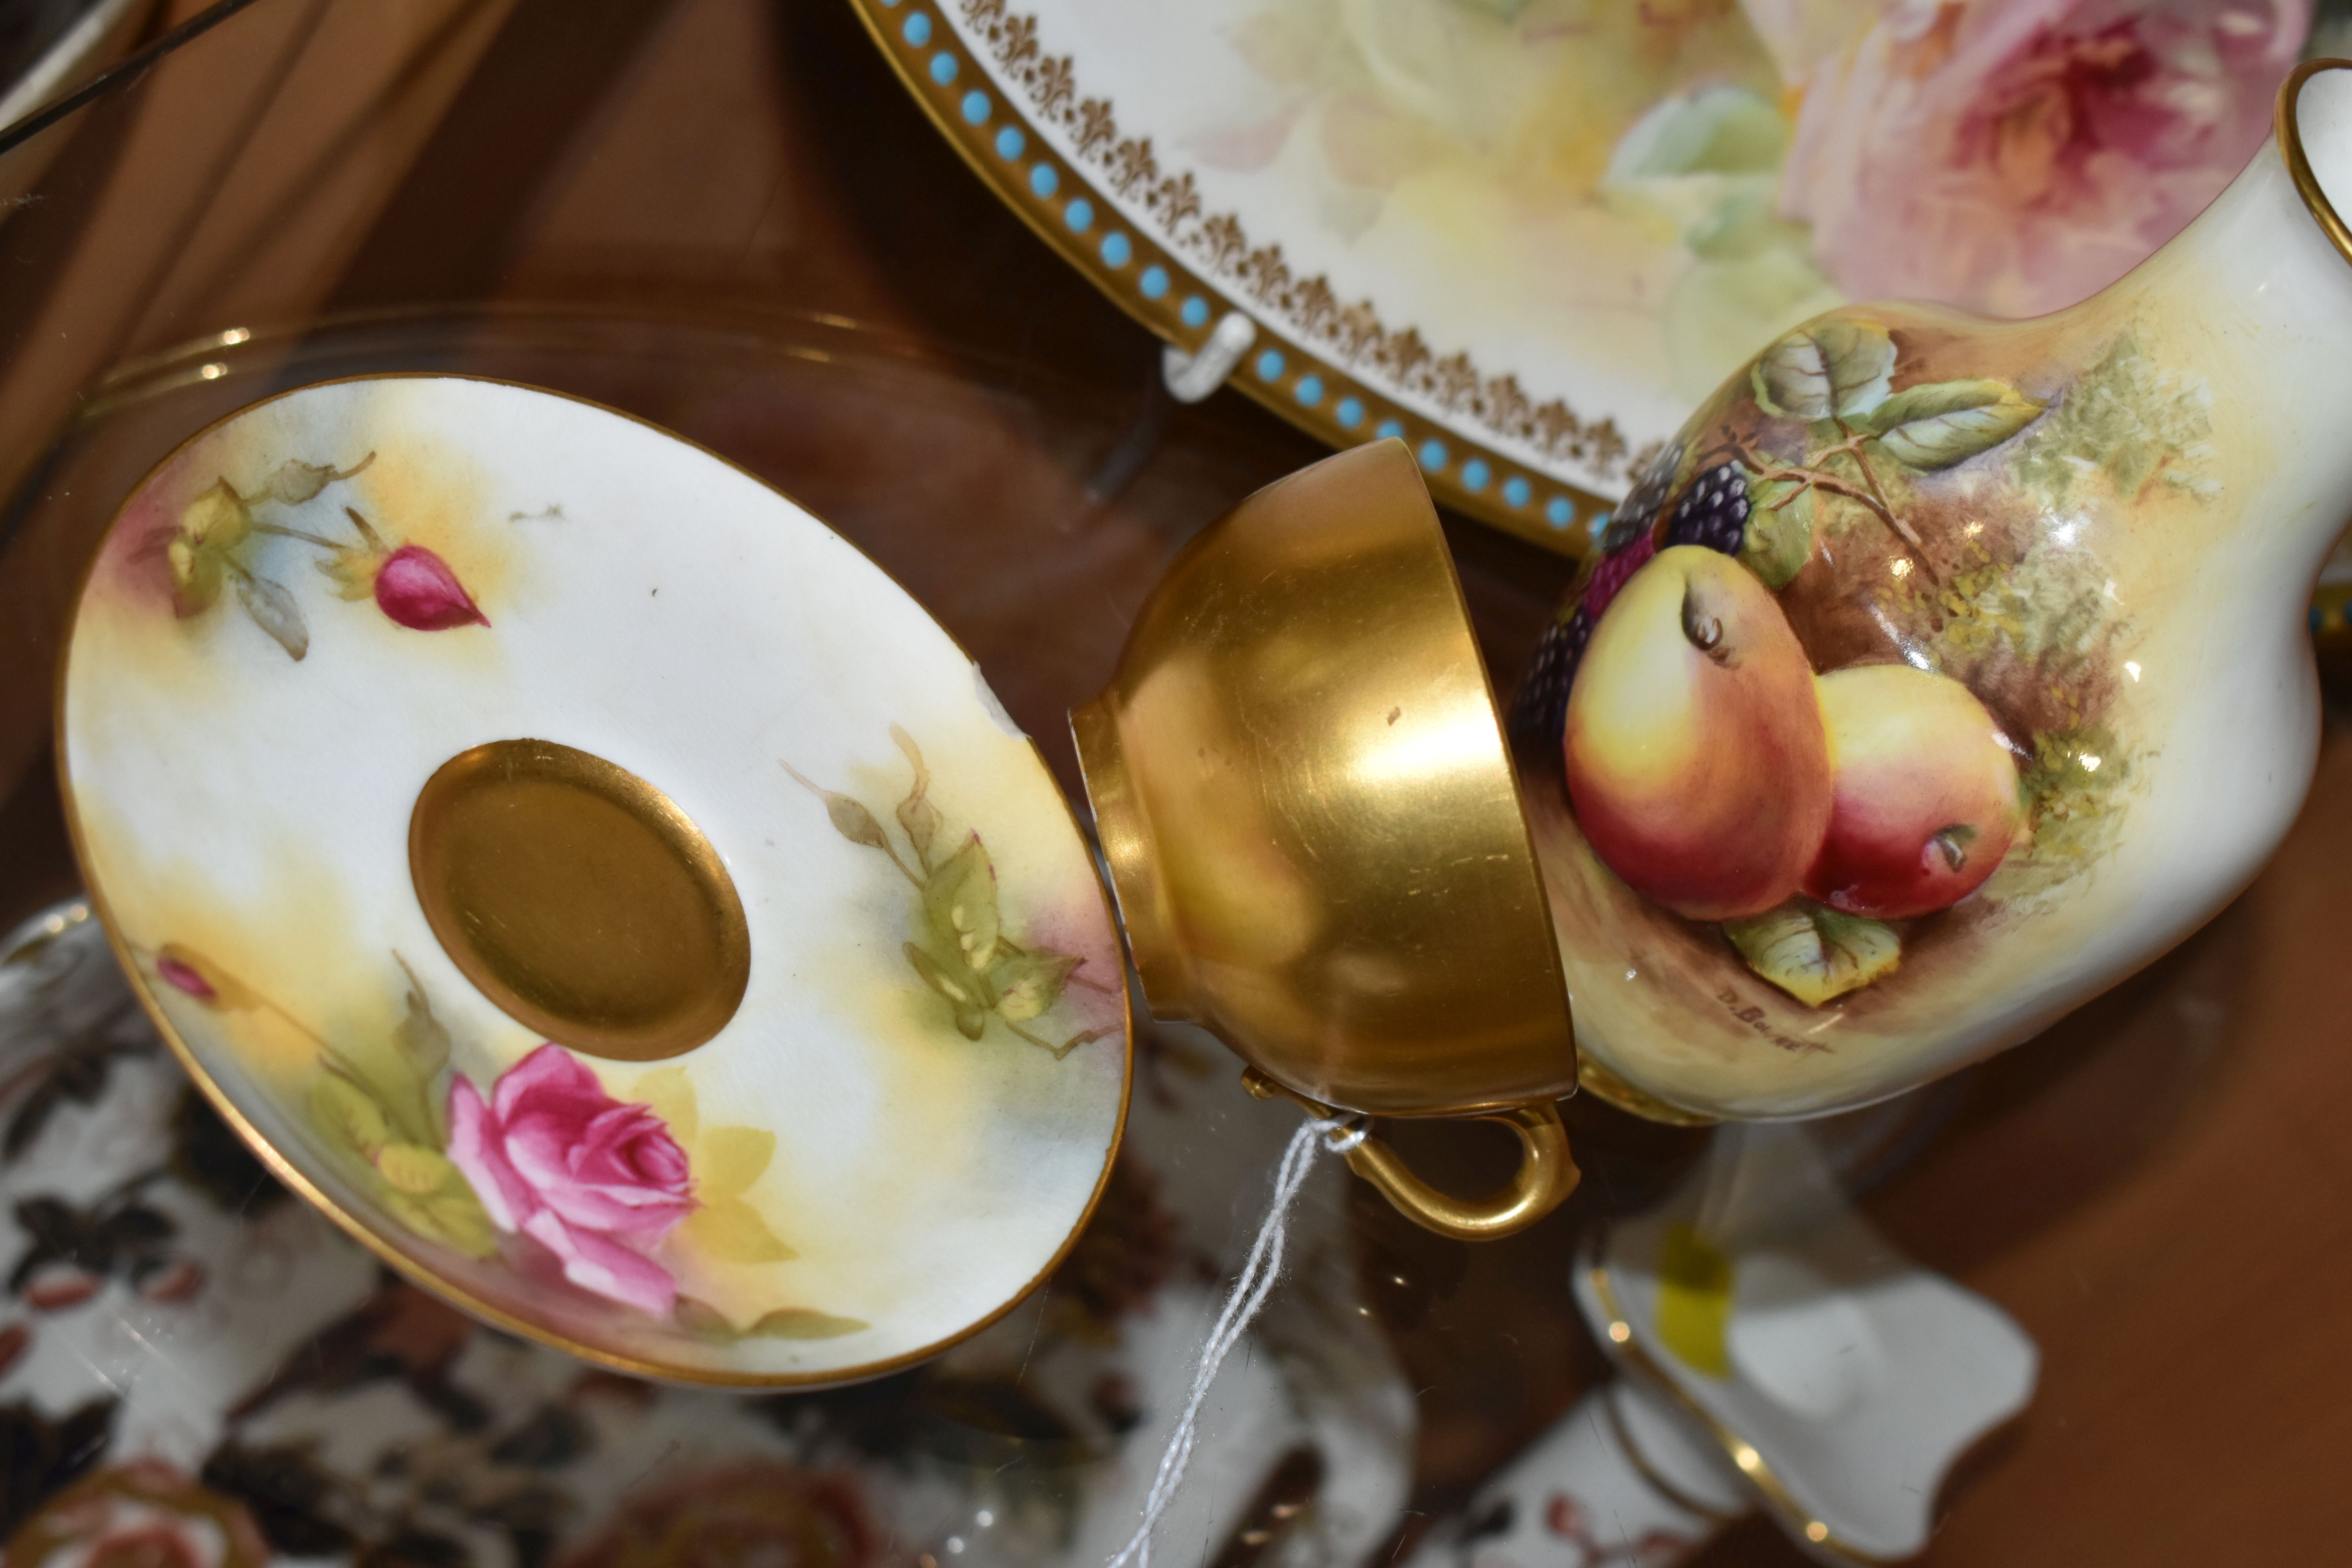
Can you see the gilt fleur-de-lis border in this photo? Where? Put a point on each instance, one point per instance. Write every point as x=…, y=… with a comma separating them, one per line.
x=1332, y=366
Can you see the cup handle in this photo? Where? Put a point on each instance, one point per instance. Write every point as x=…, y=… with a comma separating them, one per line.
x=1546, y=1173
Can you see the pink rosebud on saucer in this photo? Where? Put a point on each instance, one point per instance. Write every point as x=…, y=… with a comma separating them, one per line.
x=182, y=976
x=416, y=588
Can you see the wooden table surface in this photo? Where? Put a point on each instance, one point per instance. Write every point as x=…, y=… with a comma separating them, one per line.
x=2156, y=1189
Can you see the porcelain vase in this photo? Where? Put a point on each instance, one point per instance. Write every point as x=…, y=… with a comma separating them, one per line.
x=1944, y=671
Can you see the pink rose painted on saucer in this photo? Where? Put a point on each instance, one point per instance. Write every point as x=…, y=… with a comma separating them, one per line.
x=597, y=1181
x=2015, y=156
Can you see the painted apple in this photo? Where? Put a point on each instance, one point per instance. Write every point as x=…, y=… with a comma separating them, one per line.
x=1926, y=801
x=1696, y=754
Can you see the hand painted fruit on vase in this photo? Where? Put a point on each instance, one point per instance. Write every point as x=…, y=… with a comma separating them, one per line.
x=1826, y=677
x=1694, y=745
x=1926, y=793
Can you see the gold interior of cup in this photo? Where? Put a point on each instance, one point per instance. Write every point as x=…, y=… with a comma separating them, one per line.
x=579, y=898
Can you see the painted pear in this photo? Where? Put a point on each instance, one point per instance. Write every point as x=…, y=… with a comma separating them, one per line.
x=1925, y=799
x=1696, y=754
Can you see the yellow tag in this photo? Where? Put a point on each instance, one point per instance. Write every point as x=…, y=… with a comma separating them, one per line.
x=1694, y=1301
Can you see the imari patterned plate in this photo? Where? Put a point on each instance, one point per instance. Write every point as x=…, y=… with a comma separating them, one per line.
x=1528, y=235
x=593, y=881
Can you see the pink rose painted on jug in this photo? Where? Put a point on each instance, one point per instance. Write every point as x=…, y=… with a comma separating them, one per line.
x=2015, y=156
x=598, y=1181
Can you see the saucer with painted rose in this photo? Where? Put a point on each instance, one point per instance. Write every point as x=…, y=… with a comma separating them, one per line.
x=592, y=882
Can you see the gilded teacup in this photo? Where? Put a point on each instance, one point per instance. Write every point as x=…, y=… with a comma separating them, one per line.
x=1314, y=834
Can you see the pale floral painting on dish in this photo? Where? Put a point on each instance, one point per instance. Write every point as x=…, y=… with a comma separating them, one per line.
x=1553, y=224
x=1778, y=157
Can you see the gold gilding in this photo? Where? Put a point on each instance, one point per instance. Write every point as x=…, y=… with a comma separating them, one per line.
x=579, y=898
x=1794, y=1516
x=1596, y=1079
x=2287, y=123
x=1314, y=829
x=1546, y=1173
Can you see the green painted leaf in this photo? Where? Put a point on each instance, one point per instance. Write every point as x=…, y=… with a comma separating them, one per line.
x=384, y=1075
x=1778, y=538
x=916, y=815
x=702, y=1320
x=854, y=822
x=706, y=1321
x=425, y=1191
x=350, y=573
x=967, y=991
x=218, y=520
x=197, y=577
x=1941, y=423
x=422, y=1037
x=1082, y=1037
x=1837, y=367
x=352, y=568
x=730, y=1159
x=849, y=819
x=1813, y=952
x=207, y=548
x=803, y=1323
x=452, y=1216
x=414, y=1169
x=1028, y=984
x=970, y=1022
x=733, y=1232
x=349, y=1114
x=297, y=481
x=959, y=903
x=464, y=1224
x=920, y=818
x=273, y=609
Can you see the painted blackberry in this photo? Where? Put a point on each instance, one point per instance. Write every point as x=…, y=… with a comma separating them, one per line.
x=1540, y=711
x=1610, y=573
x=1639, y=507
x=1713, y=511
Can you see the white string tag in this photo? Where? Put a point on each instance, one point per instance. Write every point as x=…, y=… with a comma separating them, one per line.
x=1251, y=1288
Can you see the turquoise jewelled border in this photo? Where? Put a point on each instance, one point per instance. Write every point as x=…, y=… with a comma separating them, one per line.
x=1182, y=306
